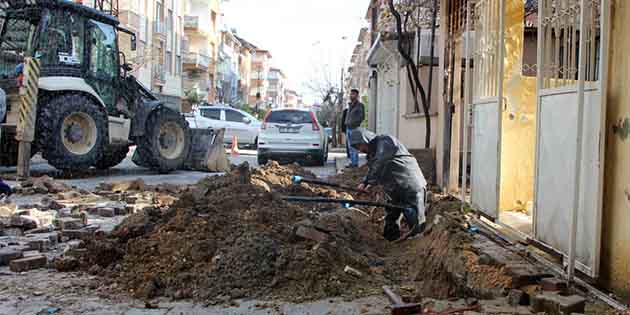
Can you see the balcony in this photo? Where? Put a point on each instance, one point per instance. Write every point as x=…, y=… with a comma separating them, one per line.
x=196, y=61
x=130, y=19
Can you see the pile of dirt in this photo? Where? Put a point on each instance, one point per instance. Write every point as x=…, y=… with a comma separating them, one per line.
x=234, y=236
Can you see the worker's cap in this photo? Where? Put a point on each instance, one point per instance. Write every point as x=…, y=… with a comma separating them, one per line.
x=361, y=136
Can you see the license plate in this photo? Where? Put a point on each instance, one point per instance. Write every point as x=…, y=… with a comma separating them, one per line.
x=289, y=130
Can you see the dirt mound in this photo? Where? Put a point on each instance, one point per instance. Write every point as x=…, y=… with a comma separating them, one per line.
x=233, y=236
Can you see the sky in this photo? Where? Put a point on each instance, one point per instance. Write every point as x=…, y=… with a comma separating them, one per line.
x=305, y=37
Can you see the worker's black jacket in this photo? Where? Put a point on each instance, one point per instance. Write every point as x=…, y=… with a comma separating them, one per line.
x=390, y=164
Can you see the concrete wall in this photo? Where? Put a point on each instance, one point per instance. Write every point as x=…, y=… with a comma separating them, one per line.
x=616, y=220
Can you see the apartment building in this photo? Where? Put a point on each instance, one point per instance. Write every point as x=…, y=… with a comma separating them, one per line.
x=200, y=47
x=245, y=70
x=228, y=72
x=158, y=25
x=261, y=60
x=277, y=80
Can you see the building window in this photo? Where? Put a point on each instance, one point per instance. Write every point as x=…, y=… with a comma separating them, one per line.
x=178, y=65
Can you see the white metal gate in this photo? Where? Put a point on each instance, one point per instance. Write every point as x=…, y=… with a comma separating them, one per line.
x=486, y=105
x=570, y=122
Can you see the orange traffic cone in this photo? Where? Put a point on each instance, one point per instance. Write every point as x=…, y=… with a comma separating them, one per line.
x=234, y=152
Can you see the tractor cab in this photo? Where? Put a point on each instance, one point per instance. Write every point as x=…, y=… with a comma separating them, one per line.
x=89, y=110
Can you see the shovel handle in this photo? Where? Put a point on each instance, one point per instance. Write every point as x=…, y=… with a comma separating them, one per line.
x=395, y=299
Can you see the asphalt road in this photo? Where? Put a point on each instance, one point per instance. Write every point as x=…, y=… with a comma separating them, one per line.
x=127, y=170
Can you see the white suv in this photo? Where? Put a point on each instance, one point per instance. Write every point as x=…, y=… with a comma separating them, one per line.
x=290, y=134
x=236, y=123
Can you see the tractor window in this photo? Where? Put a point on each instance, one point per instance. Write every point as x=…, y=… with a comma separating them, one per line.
x=103, y=62
x=61, y=44
x=103, y=51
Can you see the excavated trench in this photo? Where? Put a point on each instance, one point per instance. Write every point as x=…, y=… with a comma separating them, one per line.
x=234, y=237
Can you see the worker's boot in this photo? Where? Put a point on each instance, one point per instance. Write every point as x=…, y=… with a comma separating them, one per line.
x=391, y=232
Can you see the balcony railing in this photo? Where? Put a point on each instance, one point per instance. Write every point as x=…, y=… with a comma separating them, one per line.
x=197, y=60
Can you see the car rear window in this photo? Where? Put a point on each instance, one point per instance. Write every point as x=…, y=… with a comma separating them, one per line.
x=289, y=116
x=214, y=114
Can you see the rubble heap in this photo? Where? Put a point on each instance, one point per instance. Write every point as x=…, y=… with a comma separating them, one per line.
x=233, y=236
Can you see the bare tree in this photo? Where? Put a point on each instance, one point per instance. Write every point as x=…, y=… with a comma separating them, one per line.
x=323, y=85
x=407, y=14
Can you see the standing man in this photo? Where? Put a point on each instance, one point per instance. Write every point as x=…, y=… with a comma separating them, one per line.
x=343, y=130
x=392, y=166
x=354, y=118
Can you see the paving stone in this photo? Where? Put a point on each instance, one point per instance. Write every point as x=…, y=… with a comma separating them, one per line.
x=28, y=263
x=31, y=253
x=7, y=254
x=524, y=274
x=42, y=244
x=553, y=284
x=556, y=304
x=311, y=234
x=80, y=234
x=68, y=223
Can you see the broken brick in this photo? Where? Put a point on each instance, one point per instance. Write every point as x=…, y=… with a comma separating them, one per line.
x=311, y=234
x=7, y=254
x=41, y=244
x=28, y=263
x=68, y=223
x=79, y=234
x=556, y=304
x=553, y=284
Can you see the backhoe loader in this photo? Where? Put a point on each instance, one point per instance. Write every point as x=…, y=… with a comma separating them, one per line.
x=65, y=87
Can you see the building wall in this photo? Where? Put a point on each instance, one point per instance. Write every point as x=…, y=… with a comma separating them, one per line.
x=204, y=40
x=412, y=126
x=616, y=216
x=140, y=16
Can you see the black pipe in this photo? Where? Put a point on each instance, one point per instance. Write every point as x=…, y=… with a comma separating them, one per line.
x=341, y=201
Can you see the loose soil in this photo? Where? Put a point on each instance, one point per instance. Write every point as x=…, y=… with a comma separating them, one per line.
x=234, y=236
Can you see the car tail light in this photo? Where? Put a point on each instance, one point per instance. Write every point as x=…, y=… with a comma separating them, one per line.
x=264, y=124
x=314, y=122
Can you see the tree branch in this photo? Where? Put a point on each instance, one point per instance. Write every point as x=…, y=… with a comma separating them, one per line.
x=411, y=65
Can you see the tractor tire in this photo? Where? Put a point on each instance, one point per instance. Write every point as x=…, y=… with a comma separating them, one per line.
x=166, y=144
x=72, y=131
x=112, y=156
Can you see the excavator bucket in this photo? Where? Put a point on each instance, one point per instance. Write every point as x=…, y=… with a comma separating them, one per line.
x=207, y=152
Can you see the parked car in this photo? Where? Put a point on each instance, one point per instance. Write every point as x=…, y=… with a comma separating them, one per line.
x=292, y=134
x=236, y=123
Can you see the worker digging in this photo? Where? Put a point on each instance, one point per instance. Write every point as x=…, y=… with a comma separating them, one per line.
x=393, y=167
